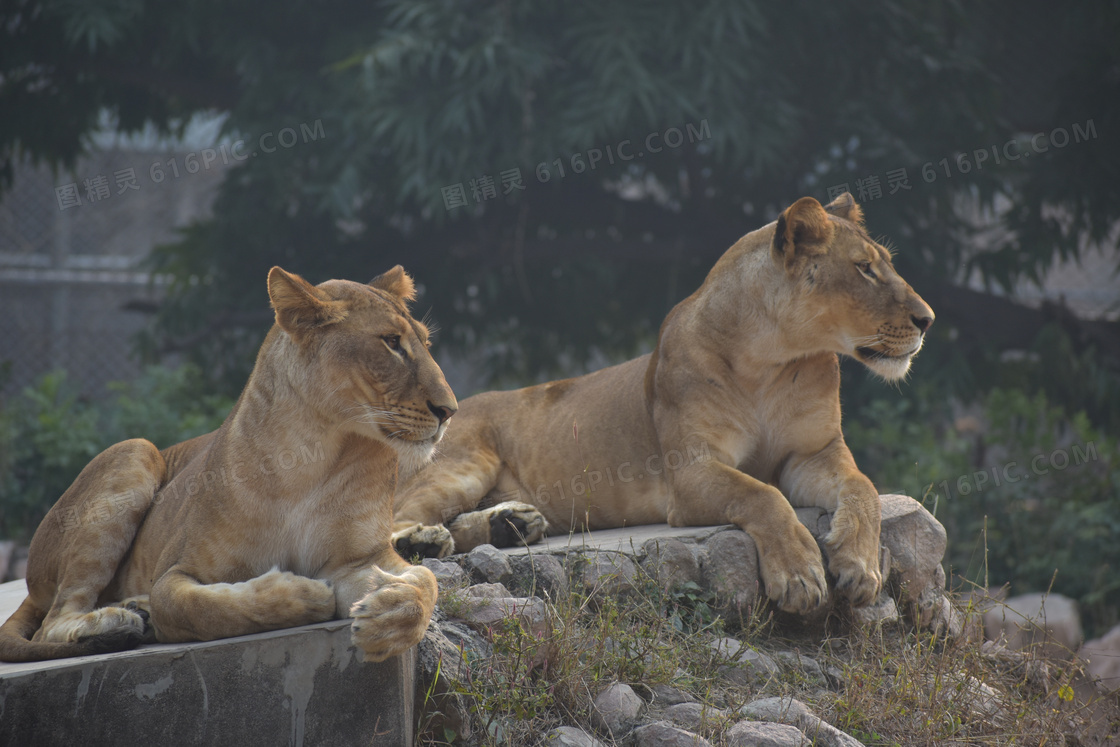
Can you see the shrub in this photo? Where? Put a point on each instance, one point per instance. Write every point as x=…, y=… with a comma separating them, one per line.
x=1028, y=496
x=48, y=434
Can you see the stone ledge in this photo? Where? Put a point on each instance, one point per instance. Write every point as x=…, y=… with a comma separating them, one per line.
x=297, y=686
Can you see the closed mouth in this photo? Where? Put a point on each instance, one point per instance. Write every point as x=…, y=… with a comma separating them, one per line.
x=870, y=354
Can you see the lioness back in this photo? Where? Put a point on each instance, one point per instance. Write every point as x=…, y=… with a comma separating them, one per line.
x=733, y=418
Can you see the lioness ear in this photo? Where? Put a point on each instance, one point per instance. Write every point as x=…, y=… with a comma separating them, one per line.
x=300, y=306
x=802, y=230
x=844, y=206
x=397, y=282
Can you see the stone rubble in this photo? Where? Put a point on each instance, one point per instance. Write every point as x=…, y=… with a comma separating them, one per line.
x=721, y=567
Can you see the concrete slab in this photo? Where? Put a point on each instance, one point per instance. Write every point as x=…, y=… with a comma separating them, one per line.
x=624, y=539
x=296, y=686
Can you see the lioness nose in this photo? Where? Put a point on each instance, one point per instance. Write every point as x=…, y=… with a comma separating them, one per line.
x=442, y=413
x=923, y=323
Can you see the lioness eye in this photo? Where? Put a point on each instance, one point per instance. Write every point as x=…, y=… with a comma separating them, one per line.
x=865, y=268
x=393, y=341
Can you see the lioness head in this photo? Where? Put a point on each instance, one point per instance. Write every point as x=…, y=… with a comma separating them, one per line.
x=855, y=298
x=363, y=361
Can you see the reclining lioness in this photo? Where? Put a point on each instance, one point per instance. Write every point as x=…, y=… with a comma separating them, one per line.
x=733, y=418
x=281, y=517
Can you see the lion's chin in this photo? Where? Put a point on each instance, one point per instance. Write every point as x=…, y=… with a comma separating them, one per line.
x=885, y=365
x=413, y=456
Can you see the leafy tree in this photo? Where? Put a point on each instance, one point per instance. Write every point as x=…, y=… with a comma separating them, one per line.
x=780, y=100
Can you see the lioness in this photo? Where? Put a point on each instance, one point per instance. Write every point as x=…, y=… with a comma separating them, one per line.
x=733, y=418
x=281, y=517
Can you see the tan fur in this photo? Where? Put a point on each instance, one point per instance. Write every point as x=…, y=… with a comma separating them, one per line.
x=734, y=417
x=281, y=517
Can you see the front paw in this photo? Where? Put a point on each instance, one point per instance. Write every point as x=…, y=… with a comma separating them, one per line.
x=856, y=571
x=391, y=619
x=424, y=541
x=793, y=573
x=853, y=553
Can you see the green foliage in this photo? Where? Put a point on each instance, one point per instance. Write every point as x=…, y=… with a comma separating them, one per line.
x=48, y=434
x=413, y=97
x=46, y=437
x=1027, y=493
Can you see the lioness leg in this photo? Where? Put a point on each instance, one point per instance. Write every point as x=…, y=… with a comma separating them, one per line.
x=831, y=480
x=80, y=544
x=453, y=485
x=507, y=524
x=182, y=609
x=712, y=492
x=392, y=616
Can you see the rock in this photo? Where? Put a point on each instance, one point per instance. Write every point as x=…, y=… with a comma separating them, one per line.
x=448, y=575
x=666, y=695
x=795, y=713
x=569, y=736
x=1102, y=658
x=816, y=520
x=882, y=611
x=747, y=666
x=663, y=734
x=693, y=716
x=782, y=710
x=1050, y=621
x=539, y=575
x=982, y=698
x=488, y=591
x=808, y=666
x=916, y=541
x=726, y=647
x=731, y=572
x=616, y=709
x=670, y=563
x=763, y=734
x=488, y=564
x=608, y=573
x=483, y=613
x=442, y=662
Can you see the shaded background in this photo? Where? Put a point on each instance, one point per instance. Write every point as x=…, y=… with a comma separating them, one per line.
x=556, y=178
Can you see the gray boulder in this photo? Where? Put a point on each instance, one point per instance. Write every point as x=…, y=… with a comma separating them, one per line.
x=670, y=563
x=616, y=709
x=764, y=734
x=1102, y=659
x=664, y=734
x=731, y=572
x=539, y=575
x=693, y=716
x=488, y=564
x=608, y=573
x=569, y=736
x=1049, y=621
x=795, y=713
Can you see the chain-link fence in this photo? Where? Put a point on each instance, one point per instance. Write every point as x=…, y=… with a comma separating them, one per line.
x=73, y=288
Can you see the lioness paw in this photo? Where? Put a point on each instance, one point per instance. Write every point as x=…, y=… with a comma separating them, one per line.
x=283, y=595
x=794, y=575
x=857, y=573
x=507, y=524
x=513, y=523
x=390, y=620
x=853, y=556
x=424, y=541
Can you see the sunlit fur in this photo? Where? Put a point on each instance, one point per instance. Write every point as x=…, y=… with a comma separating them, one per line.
x=733, y=417
x=281, y=517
